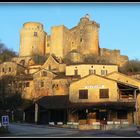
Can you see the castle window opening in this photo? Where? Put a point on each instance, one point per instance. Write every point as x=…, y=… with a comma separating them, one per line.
x=44, y=73
x=83, y=94
x=49, y=67
x=2, y=69
x=35, y=33
x=9, y=69
x=104, y=93
x=42, y=84
x=56, y=86
x=81, y=39
x=91, y=66
x=76, y=72
x=27, y=84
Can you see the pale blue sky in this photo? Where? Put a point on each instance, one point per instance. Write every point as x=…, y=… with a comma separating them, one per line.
x=119, y=23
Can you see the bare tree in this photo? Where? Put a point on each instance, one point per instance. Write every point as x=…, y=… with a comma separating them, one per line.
x=5, y=53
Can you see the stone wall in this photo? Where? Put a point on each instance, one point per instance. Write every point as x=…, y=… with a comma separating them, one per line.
x=86, y=36
x=11, y=68
x=32, y=39
x=83, y=69
x=113, y=56
x=93, y=84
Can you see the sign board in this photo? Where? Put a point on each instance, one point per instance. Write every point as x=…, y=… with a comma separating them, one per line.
x=5, y=120
x=94, y=86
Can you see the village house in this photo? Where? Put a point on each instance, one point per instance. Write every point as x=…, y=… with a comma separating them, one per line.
x=63, y=88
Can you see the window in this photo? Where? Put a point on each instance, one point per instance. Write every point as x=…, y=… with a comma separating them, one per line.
x=35, y=33
x=56, y=86
x=44, y=73
x=92, y=71
x=122, y=114
x=42, y=84
x=2, y=69
x=9, y=69
x=48, y=44
x=83, y=94
x=103, y=72
x=104, y=93
x=75, y=72
x=22, y=62
x=81, y=39
x=20, y=85
x=27, y=84
x=49, y=67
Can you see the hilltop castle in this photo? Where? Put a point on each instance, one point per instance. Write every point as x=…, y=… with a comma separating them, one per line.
x=74, y=92
x=78, y=42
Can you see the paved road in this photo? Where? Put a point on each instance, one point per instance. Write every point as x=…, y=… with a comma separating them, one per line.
x=28, y=130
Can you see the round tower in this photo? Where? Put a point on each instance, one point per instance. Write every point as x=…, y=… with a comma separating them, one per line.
x=32, y=39
x=89, y=36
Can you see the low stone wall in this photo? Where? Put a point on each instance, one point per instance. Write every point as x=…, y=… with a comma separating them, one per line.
x=109, y=126
x=94, y=126
x=89, y=127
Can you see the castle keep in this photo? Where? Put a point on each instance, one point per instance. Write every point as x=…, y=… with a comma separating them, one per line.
x=82, y=40
x=78, y=93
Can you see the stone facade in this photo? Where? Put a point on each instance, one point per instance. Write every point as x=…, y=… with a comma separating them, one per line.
x=93, y=84
x=113, y=56
x=124, y=78
x=77, y=42
x=54, y=77
x=88, y=91
x=11, y=68
x=86, y=69
x=32, y=39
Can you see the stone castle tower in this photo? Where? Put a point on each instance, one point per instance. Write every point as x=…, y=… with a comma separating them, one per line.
x=81, y=40
x=86, y=36
x=32, y=39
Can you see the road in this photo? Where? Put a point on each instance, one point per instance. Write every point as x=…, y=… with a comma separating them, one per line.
x=30, y=130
